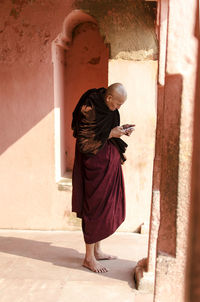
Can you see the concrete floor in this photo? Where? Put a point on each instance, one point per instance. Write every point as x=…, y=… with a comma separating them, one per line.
x=46, y=267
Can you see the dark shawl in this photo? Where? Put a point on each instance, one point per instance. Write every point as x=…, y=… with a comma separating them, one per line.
x=93, y=121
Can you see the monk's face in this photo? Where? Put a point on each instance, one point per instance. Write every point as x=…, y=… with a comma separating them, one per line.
x=115, y=101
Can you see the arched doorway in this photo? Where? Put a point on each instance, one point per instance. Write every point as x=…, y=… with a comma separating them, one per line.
x=80, y=60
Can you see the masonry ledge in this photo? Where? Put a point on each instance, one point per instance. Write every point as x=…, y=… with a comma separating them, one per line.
x=65, y=182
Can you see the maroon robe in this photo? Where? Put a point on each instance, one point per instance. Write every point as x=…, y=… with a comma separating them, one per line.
x=98, y=192
x=98, y=187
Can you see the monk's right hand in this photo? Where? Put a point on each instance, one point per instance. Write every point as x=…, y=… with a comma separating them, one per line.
x=116, y=132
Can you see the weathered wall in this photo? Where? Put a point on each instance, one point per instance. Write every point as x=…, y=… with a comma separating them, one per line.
x=29, y=195
x=176, y=156
x=170, y=163
x=128, y=26
x=193, y=272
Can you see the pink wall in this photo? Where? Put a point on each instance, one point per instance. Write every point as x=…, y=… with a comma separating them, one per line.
x=29, y=195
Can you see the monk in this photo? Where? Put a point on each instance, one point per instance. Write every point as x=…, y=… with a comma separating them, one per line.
x=98, y=195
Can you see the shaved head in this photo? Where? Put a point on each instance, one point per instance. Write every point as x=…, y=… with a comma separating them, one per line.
x=116, y=88
x=115, y=96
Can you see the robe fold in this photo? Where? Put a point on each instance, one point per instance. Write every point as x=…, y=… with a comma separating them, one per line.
x=98, y=195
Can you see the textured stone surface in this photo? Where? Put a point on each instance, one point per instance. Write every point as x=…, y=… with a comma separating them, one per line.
x=170, y=164
x=144, y=280
x=32, y=26
x=153, y=235
x=193, y=275
x=128, y=26
x=147, y=283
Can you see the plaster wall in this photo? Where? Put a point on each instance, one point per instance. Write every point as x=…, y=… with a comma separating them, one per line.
x=139, y=78
x=29, y=198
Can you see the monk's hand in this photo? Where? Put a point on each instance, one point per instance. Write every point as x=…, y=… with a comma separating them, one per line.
x=128, y=129
x=116, y=132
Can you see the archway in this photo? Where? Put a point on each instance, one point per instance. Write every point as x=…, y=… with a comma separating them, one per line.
x=80, y=60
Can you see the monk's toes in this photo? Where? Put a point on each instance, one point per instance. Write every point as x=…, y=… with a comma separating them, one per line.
x=104, y=270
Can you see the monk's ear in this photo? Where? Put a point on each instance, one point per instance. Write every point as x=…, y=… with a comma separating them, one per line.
x=109, y=98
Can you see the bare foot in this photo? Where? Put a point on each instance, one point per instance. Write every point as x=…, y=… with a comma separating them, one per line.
x=95, y=266
x=102, y=256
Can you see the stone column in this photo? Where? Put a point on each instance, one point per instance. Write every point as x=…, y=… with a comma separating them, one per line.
x=58, y=58
x=193, y=272
x=176, y=158
x=173, y=155
x=145, y=270
x=155, y=210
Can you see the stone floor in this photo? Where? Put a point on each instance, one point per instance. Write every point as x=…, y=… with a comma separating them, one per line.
x=46, y=266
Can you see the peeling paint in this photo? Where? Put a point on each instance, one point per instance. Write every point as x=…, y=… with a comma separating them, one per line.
x=128, y=26
x=18, y=6
x=94, y=61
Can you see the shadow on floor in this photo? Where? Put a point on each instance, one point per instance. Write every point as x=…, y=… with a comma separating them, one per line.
x=120, y=269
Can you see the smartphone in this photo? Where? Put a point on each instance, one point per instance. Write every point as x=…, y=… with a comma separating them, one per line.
x=128, y=127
